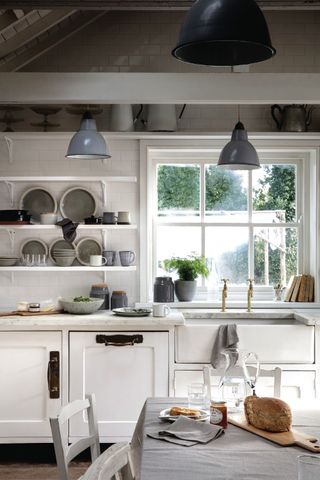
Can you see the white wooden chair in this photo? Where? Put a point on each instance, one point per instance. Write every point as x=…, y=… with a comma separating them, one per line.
x=118, y=456
x=237, y=372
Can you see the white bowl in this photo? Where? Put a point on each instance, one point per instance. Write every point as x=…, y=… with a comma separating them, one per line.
x=48, y=218
x=82, y=308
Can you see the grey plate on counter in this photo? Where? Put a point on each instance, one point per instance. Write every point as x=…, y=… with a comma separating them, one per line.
x=132, y=312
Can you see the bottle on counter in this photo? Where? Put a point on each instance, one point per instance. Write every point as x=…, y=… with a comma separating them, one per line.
x=101, y=290
x=119, y=299
x=163, y=290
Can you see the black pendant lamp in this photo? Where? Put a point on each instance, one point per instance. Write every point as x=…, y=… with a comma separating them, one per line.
x=224, y=33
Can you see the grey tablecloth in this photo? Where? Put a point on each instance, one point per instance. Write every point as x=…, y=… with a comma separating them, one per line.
x=236, y=455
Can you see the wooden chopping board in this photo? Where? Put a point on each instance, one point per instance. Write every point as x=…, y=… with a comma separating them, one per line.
x=286, y=439
x=29, y=314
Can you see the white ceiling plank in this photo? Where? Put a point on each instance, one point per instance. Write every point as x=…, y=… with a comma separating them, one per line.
x=191, y=88
x=33, y=31
x=30, y=53
x=148, y=4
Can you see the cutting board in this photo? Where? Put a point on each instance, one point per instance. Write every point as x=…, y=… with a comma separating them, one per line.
x=286, y=439
x=29, y=314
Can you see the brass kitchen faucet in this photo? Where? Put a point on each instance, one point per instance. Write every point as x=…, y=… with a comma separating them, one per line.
x=224, y=293
x=250, y=294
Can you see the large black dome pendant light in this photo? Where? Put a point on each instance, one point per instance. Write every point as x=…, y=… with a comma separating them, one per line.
x=224, y=33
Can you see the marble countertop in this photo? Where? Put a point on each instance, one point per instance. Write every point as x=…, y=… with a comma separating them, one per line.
x=99, y=319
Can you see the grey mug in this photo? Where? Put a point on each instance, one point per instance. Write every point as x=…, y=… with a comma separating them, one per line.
x=109, y=218
x=110, y=256
x=127, y=257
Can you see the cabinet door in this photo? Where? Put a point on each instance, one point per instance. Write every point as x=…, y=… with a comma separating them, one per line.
x=120, y=377
x=25, y=403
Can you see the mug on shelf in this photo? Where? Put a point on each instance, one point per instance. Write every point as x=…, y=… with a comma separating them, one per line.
x=109, y=218
x=48, y=218
x=127, y=257
x=124, y=218
x=160, y=310
x=97, y=260
x=110, y=256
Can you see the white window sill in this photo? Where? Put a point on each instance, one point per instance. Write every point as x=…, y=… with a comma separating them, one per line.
x=243, y=305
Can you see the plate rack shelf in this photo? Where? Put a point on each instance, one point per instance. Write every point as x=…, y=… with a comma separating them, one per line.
x=68, y=269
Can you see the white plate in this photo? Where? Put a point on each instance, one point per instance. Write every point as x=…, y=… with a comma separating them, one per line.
x=87, y=246
x=38, y=200
x=34, y=246
x=164, y=415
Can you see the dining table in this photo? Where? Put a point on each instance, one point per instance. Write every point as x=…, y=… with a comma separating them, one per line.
x=236, y=455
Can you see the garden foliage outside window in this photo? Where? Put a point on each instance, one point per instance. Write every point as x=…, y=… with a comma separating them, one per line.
x=244, y=223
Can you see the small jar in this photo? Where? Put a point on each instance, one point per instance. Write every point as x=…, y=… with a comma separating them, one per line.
x=101, y=290
x=163, y=290
x=119, y=299
x=22, y=306
x=218, y=413
x=34, y=307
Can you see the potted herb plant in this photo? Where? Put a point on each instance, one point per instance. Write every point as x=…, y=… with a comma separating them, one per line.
x=188, y=269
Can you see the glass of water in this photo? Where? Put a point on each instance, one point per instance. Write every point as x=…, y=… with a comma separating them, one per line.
x=308, y=467
x=197, y=396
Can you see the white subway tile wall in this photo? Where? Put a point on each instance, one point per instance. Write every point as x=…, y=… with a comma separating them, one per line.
x=41, y=157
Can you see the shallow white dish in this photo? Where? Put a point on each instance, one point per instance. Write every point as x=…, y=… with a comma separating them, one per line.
x=132, y=312
x=164, y=415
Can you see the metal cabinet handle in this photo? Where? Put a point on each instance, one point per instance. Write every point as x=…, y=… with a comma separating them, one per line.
x=119, y=340
x=53, y=375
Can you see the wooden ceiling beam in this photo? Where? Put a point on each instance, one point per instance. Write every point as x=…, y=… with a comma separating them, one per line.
x=166, y=88
x=33, y=31
x=53, y=39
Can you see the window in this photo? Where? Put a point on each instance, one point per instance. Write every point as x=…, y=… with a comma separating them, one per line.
x=246, y=224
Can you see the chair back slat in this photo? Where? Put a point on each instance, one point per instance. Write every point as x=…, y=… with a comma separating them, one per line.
x=116, y=460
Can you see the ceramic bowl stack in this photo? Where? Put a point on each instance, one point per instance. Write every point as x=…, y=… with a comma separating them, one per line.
x=63, y=257
x=8, y=261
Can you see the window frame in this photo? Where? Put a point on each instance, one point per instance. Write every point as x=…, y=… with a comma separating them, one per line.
x=202, y=152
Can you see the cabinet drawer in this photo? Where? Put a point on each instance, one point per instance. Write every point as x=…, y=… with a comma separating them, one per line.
x=272, y=343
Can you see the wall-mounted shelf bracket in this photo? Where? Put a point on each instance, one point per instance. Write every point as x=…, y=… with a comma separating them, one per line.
x=9, y=143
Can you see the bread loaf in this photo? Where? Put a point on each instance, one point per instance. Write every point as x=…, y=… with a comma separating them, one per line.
x=270, y=414
x=187, y=412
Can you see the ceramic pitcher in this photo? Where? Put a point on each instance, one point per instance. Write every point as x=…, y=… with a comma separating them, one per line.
x=292, y=118
x=122, y=118
x=163, y=118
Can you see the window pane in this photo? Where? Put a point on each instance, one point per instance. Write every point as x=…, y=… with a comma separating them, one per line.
x=178, y=192
x=274, y=193
x=275, y=255
x=226, y=195
x=177, y=242
x=227, y=251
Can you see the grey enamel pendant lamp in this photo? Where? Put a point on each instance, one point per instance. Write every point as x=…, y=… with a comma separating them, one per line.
x=239, y=153
x=87, y=143
x=224, y=33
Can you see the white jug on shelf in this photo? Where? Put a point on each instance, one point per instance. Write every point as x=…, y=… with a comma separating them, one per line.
x=163, y=118
x=122, y=118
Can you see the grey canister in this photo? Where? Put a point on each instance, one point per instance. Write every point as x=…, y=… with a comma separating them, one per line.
x=119, y=299
x=163, y=290
x=101, y=290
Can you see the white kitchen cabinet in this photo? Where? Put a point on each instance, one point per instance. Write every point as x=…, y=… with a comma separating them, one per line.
x=274, y=344
x=122, y=377
x=26, y=373
x=295, y=384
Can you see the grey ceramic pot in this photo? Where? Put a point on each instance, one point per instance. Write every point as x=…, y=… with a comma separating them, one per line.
x=185, y=290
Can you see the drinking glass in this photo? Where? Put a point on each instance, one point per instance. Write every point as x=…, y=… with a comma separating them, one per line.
x=197, y=396
x=308, y=467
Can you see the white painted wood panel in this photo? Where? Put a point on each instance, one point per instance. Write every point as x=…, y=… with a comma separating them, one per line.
x=120, y=377
x=25, y=405
x=273, y=343
x=191, y=88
